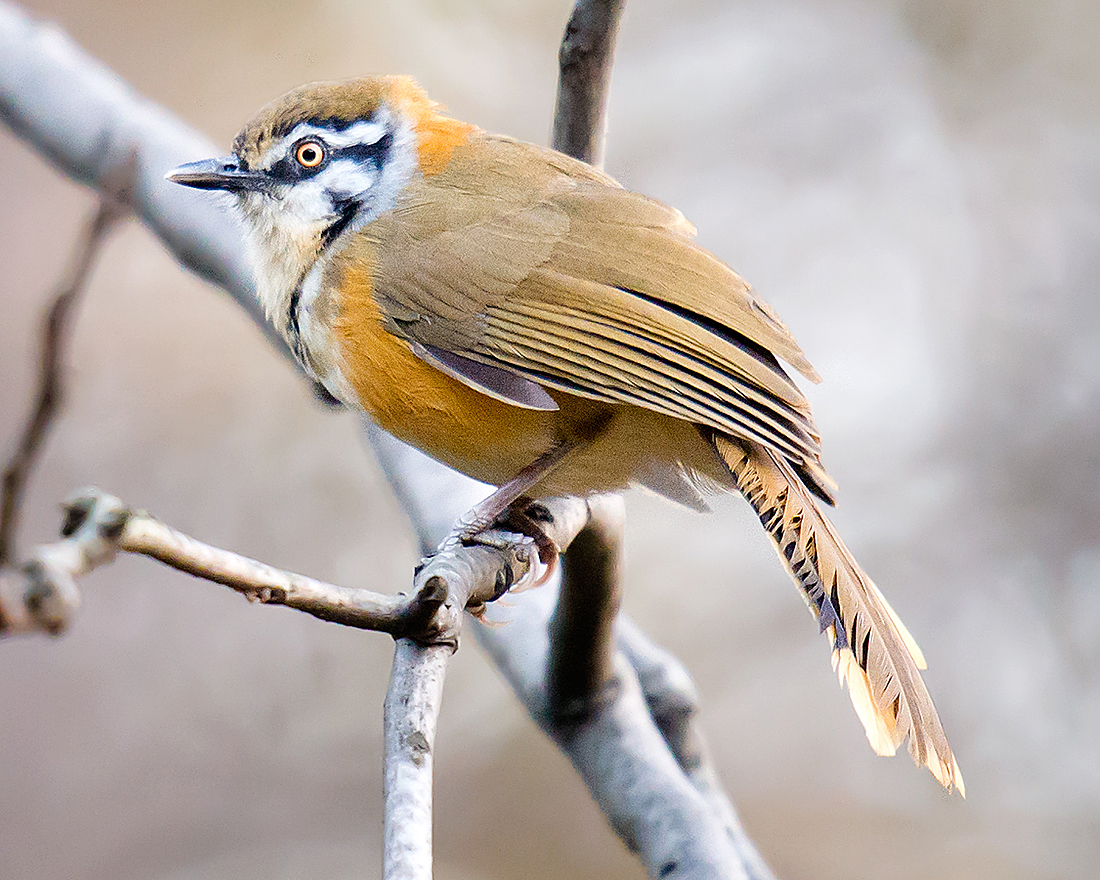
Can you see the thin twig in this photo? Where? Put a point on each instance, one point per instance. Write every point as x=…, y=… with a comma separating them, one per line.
x=98, y=525
x=580, y=114
x=55, y=338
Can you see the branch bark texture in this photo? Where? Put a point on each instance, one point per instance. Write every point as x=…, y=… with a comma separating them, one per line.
x=585, y=58
x=409, y=717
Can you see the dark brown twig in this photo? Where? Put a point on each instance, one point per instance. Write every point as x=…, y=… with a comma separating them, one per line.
x=55, y=337
x=580, y=117
x=582, y=646
x=581, y=640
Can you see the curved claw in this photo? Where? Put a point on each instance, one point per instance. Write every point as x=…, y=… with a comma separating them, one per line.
x=540, y=573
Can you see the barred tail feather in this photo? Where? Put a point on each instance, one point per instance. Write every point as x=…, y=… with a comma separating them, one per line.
x=872, y=649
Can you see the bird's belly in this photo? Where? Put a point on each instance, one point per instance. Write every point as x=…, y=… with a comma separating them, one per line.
x=485, y=438
x=481, y=437
x=492, y=441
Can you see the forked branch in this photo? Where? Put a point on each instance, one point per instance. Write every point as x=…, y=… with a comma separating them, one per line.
x=98, y=526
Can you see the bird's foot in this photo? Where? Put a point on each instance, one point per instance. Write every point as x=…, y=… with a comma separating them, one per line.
x=519, y=523
x=527, y=518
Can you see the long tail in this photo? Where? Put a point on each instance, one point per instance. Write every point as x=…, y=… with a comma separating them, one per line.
x=872, y=649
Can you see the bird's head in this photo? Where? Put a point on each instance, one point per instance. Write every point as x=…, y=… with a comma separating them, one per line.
x=322, y=160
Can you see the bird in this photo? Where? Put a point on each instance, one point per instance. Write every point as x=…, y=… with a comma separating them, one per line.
x=522, y=317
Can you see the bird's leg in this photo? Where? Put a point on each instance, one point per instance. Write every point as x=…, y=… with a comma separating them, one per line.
x=510, y=509
x=482, y=516
x=526, y=517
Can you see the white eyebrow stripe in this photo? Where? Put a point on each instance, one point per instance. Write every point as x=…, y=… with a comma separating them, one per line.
x=363, y=132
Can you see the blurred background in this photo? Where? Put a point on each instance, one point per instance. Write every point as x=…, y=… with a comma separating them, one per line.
x=913, y=184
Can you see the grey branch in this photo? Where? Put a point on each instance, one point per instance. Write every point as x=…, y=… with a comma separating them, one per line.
x=97, y=526
x=469, y=577
x=409, y=718
x=622, y=757
x=86, y=121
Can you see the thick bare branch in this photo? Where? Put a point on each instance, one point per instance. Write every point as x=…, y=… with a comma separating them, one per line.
x=87, y=121
x=673, y=703
x=410, y=715
x=470, y=577
x=580, y=115
x=620, y=754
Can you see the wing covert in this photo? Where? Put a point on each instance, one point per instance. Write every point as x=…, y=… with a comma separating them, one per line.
x=579, y=285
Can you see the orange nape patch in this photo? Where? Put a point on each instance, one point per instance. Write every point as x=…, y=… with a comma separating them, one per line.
x=473, y=433
x=436, y=135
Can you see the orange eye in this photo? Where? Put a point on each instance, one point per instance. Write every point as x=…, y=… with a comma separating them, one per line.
x=309, y=154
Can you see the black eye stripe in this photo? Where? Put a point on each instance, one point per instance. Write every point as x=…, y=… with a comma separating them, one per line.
x=375, y=152
x=289, y=170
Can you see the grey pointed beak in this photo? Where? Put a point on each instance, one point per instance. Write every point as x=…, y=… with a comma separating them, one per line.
x=225, y=174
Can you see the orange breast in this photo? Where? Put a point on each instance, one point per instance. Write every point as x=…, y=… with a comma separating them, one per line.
x=480, y=436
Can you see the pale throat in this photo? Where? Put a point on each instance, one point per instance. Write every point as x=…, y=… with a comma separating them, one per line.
x=281, y=255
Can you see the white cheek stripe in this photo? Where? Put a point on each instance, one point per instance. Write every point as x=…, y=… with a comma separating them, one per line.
x=346, y=178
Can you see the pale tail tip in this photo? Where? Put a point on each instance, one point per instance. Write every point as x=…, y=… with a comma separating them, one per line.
x=948, y=774
x=957, y=778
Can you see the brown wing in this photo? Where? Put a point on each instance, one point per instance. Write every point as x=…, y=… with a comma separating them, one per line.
x=522, y=259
